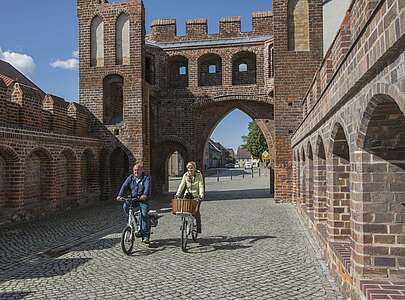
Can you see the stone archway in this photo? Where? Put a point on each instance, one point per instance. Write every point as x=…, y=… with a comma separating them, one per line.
x=208, y=115
x=161, y=157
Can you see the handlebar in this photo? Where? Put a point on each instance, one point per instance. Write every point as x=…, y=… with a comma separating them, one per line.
x=122, y=199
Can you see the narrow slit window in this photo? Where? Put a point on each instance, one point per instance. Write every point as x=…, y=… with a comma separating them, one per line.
x=183, y=71
x=212, y=69
x=243, y=68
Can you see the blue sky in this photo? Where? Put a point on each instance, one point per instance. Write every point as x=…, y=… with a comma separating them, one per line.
x=42, y=38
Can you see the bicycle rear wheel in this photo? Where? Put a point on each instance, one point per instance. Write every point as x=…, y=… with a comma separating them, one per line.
x=184, y=235
x=127, y=240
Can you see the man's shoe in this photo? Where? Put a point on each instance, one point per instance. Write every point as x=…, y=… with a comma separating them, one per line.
x=146, y=241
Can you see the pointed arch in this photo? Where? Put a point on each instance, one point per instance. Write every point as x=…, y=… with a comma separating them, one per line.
x=122, y=40
x=298, y=25
x=97, y=42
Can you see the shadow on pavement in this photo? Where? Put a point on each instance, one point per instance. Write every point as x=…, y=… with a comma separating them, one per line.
x=206, y=244
x=45, y=268
x=14, y=295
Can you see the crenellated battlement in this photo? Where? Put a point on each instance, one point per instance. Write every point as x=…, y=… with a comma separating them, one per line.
x=23, y=106
x=165, y=30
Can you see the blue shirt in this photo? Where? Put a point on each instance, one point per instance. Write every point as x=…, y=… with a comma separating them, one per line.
x=137, y=186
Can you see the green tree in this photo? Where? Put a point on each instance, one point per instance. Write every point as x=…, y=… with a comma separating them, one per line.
x=255, y=142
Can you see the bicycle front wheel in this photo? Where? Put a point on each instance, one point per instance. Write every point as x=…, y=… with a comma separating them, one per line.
x=184, y=235
x=127, y=240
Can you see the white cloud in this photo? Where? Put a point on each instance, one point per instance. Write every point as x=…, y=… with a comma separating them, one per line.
x=75, y=54
x=22, y=62
x=68, y=64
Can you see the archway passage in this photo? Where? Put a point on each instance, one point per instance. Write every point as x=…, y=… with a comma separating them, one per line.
x=208, y=117
x=174, y=169
x=383, y=185
x=172, y=151
x=211, y=116
x=339, y=227
x=119, y=169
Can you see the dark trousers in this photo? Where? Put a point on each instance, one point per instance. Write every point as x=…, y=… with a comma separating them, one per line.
x=197, y=217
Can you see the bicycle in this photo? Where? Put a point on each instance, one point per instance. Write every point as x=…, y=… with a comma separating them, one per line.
x=188, y=222
x=133, y=228
x=188, y=226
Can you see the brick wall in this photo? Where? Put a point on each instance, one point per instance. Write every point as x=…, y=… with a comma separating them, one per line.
x=358, y=118
x=293, y=73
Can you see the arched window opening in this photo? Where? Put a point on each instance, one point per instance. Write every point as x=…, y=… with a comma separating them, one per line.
x=174, y=160
x=150, y=70
x=97, y=42
x=122, y=40
x=271, y=61
x=244, y=68
x=113, y=100
x=178, y=72
x=298, y=25
x=210, y=70
x=176, y=165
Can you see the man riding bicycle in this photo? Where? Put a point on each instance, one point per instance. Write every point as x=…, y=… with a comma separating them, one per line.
x=139, y=186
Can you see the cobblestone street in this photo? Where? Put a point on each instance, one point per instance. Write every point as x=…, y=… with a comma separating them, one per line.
x=250, y=248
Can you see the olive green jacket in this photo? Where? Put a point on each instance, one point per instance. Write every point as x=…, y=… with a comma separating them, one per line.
x=193, y=185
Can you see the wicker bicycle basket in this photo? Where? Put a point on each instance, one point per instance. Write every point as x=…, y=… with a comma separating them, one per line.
x=184, y=206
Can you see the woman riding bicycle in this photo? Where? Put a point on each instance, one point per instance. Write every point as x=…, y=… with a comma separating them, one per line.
x=192, y=187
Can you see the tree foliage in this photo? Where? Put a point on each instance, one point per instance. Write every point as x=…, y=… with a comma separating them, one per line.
x=255, y=141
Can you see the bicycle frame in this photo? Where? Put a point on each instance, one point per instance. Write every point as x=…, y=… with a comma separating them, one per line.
x=190, y=221
x=134, y=219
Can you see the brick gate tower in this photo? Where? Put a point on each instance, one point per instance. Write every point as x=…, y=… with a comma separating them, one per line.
x=298, y=50
x=111, y=73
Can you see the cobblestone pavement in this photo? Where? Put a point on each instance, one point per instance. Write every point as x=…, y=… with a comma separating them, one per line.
x=251, y=248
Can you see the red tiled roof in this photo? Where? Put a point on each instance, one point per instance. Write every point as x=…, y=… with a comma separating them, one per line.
x=6, y=80
x=9, y=74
